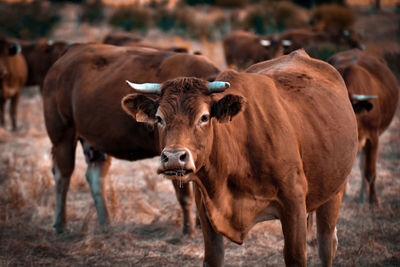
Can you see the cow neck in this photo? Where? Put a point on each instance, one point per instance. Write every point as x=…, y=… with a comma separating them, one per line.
x=230, y=213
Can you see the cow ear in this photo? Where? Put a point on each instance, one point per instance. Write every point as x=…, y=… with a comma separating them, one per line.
x=140, y=107
x=227, y=107
x=359, y=106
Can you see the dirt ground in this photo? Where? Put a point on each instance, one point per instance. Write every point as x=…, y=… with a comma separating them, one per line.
x=146, y=218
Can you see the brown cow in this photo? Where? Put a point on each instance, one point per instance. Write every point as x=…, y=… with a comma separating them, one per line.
x=294, y=39
x=82, y=100
x=278, y=144
x=13, y=72
x=39, y=58
x=126, y=39
x=366, y=75
x=243, y=49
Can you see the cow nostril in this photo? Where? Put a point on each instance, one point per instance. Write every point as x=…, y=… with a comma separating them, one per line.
x=164, y=158
x=183, y=157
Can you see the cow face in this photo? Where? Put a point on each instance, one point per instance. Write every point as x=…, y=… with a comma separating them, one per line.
x=185, y=114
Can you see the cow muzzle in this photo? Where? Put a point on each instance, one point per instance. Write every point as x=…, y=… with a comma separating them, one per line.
x=176, y=163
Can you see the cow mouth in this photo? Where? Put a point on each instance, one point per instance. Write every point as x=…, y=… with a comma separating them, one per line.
x=176, y=172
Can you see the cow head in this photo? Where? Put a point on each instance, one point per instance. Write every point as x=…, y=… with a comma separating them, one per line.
x=361, y=103
x=7, y=49
x=185, y=111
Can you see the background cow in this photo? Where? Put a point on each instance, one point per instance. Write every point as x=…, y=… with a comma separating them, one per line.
x=39, y=58
x=82, y=95
x=13, y=72
x=294, y=39
x=280, y=142
x=366, y=75
x=243, y=49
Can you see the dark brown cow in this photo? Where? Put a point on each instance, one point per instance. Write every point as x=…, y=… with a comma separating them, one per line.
x=279, y=143
x=39, y=58
x=82, y=100
x=294, y=39
x=126, y=39
x=120, y=38
x=365, y=75
x=243, y=49
x=13, y=72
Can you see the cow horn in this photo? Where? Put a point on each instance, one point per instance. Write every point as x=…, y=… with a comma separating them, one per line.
x=286, y=42
x=265, y=42
x=363, y=97
x=149, y=88
x=218, y=86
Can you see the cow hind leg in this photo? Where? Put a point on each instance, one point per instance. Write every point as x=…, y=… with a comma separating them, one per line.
x=185, y=198
x=96, y=174
x=13, y=111
x=327, y=216
x=368, y=160
x=63, y=165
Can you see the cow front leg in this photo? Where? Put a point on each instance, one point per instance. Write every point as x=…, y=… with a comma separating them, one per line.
x=96, y=174
x=13, y=111
x=294, y=228
x=184, y=195
x=2, y=101
x=368, y=160
x=327, y=216
x=213, y=242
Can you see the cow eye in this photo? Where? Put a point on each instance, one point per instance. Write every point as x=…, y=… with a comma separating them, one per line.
x=159, y=120
x=204, y=118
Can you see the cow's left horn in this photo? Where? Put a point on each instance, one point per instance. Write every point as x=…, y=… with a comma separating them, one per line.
x=149, y=88
x=218, y=86
x=363, y=97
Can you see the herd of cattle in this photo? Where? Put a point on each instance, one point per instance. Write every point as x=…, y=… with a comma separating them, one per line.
x=274, y=139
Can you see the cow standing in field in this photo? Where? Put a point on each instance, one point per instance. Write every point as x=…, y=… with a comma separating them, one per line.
x=40, y=56
x=374, y=93
x=275, y=142
x=294, y=39
x=243, y=49
x=13, y=74
x=82, y=101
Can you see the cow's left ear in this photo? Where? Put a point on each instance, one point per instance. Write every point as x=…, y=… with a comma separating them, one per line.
x=14, y=48
x=227, y=107
x=140, y=107
x=359, y=106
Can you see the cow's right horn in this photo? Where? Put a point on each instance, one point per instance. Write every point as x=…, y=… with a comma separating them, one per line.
x=148, y=88
x=218, y=86
x=363, y=97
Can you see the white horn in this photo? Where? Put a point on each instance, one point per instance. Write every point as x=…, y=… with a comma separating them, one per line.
x=149, y=88
x=363, y=97
x=286, y=42
x=265, y=42
x=218, y=86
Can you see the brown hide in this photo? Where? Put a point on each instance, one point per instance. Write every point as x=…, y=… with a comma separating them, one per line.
x=126, y=39
x=367, y=75
x=120, y=38
x=85, y=87
x=278, y=143
x=39, y=58
x=13, y=75
x=243, y=49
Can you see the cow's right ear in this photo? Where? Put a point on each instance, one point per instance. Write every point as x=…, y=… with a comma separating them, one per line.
x=227, y=107
x=140, y=107
x=359, y=106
